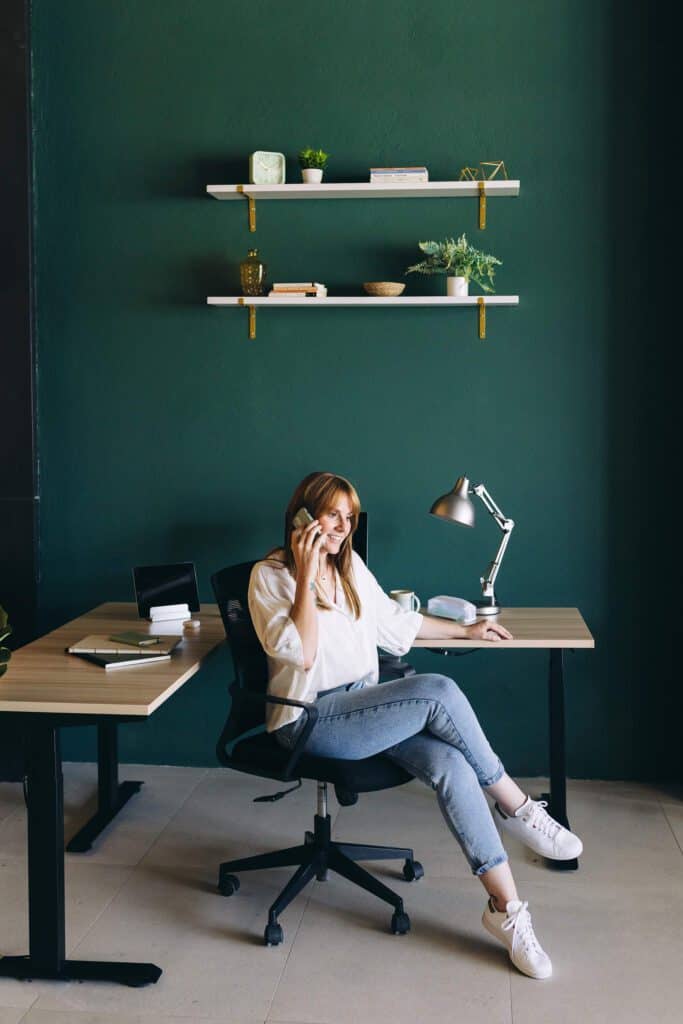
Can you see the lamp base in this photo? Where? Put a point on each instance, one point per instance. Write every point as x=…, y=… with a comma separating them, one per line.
x=487, y=608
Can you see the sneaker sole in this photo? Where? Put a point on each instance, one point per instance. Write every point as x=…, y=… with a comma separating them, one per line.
x=546, y=854
x=541, y=853
x=492, y=931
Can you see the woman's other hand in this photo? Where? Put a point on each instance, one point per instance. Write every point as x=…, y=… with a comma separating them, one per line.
x=306, y=543
x=484, y=630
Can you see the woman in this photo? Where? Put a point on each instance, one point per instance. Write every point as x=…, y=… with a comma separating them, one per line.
x=320, y=616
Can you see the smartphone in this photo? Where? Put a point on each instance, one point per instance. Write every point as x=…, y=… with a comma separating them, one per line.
x=302, y=518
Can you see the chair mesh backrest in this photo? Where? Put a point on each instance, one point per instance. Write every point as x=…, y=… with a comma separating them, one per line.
x=231, y=587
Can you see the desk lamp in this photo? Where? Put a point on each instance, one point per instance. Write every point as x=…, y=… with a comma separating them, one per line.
x=458, y=508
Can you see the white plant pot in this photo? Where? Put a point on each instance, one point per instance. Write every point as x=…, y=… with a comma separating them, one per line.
x=312, y=175
x=456, y=286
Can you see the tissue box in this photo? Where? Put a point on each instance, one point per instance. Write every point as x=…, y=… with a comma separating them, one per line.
x=456, y=608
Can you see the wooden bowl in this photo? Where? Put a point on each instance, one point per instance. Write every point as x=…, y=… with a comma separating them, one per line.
x=383, y=287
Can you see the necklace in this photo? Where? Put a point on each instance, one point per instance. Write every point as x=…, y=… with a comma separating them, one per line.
x=324, y=578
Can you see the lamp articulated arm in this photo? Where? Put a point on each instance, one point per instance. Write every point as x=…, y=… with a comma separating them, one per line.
x=507, y=525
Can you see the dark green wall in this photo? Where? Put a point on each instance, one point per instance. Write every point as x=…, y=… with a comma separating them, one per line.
x=164, y=434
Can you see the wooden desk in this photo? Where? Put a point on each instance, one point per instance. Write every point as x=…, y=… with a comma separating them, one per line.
x=556, y=630
x=48, y=689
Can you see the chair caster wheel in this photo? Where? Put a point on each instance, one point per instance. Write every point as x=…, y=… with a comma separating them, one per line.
x=273, y=935
x=400, y=923
x=228, y=884
x=412, y=870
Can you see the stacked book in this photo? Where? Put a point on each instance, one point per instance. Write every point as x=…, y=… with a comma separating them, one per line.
x=295, y=289
x=124, y=649
x=398, y=175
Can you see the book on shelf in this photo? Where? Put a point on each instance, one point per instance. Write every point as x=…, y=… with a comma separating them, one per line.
x=97, y=644
x=285, y=286
x=114, y=661
x=293, y=289
x=398, y=175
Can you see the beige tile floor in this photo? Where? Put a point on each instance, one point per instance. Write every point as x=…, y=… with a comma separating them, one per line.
x=147, y=892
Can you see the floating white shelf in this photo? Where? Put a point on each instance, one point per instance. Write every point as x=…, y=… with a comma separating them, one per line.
x=252, y=301
x=365, y=190
x=363, y=300
x=483, y=189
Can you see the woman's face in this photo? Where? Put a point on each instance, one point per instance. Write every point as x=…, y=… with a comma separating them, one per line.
x=336, y=524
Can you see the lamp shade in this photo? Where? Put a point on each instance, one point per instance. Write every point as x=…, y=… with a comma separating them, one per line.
x=455, y=505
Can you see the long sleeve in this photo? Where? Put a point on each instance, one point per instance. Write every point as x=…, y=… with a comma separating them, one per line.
x=270, y=607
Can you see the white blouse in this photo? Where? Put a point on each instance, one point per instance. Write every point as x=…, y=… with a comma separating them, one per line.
x=347, y=647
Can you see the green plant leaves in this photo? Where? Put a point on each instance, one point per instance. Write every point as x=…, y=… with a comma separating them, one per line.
x=313, y=157
x=459, y=258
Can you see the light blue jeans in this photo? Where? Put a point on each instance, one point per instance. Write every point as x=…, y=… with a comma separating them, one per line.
x=426, y=724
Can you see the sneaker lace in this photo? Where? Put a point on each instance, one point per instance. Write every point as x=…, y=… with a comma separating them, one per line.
x=520, y=923
x=537, y=817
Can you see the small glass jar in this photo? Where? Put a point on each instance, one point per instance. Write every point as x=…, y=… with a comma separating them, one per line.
x=253, y=274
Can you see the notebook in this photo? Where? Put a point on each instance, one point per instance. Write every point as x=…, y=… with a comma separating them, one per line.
x=114, y=661
x=100, y=644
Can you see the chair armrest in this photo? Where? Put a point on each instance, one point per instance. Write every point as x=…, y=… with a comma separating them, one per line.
x=310, y=710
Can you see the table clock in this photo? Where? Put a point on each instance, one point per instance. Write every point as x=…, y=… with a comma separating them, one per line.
x=266, y=168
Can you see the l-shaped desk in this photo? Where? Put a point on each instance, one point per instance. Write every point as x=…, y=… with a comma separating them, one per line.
x=48, y=690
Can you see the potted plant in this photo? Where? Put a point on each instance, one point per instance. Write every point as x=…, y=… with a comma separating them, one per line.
x=460, y=262
x=312, y=163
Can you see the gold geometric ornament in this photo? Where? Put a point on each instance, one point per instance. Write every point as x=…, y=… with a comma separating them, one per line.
x=498, y=168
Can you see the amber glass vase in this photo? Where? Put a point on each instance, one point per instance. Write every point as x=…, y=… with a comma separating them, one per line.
x=253, y=274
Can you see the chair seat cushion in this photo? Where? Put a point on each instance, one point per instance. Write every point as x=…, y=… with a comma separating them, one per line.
x=263, y=755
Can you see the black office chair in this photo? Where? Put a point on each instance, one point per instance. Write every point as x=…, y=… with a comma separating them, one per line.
x=245, y=746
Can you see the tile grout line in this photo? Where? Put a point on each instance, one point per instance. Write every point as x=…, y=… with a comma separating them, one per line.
x=28, y=1010
x=666, y=818
x=172, y=818
x=291, y=950
x=296, y=935
x=132, y=868
x=333, y=824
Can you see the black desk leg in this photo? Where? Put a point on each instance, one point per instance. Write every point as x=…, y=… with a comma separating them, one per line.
x=557, y=798
x=111, y=795
x=46, y=880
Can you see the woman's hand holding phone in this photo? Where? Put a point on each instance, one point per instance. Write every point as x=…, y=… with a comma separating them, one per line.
x=306, y=543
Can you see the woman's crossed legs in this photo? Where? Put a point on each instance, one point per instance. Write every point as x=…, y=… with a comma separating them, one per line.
x=426, y=724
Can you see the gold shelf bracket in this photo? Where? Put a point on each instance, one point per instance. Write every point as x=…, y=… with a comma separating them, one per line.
x=482, y=317
x=482, y=205
x=252, y=317
x=251, y=208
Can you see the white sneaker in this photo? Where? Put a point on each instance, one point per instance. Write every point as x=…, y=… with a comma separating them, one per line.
x=534, y=827
x=514, y=929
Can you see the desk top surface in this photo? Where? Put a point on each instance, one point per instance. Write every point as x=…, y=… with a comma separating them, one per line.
x=530, y=627
x=42, y=678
